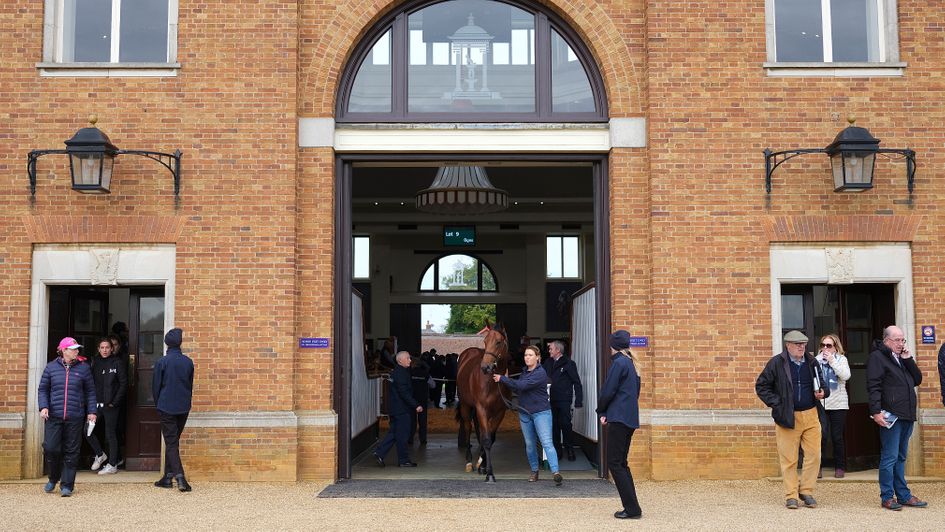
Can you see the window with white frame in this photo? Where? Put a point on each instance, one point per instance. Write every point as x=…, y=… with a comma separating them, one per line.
x=832, y=31
x=111, y=31
x=563, y=257
x=362, y=257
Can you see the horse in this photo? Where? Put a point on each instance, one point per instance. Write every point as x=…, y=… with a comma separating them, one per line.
x=480, y=394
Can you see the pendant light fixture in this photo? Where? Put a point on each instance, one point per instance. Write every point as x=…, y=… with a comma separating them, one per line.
x=462, y=190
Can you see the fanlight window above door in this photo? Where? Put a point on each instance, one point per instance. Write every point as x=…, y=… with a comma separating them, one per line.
x=474, y=61
x=458, y=273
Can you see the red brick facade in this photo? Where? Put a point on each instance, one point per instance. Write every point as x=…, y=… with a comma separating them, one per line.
x=691, y=225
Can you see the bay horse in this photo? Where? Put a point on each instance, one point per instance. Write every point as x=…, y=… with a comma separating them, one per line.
x=479, y=394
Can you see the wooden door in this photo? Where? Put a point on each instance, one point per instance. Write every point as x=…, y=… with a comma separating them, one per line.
x=405, y=325
x=145, y=347
x=865, y=310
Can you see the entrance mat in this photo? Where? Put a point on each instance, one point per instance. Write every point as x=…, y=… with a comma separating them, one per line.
x=469, y=489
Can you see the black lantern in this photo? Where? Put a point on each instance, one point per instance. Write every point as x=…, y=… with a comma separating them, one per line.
x=852, y=159
x=92, y=158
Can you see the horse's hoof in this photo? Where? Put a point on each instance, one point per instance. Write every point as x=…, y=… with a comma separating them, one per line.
x=490, y=479
x=469, y=468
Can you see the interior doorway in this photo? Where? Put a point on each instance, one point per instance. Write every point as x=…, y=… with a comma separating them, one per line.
x=136, y=315
x=857, y=313
x=560, y=196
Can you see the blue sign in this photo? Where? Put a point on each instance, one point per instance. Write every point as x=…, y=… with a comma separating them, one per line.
x=928, y=334
x=314, y=343
x=639, y=341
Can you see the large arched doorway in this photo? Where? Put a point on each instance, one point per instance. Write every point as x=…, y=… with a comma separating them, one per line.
x=463, y=72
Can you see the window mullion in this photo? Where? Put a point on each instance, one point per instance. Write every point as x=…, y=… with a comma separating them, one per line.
x=828, y=31
x=116, y=29
x=881, y=29
x=399, y=48
x=543, y=105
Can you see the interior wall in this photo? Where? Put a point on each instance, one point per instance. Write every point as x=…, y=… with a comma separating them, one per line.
x=519, y=270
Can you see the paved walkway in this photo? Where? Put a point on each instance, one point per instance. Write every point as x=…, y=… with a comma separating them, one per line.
x=703, y=505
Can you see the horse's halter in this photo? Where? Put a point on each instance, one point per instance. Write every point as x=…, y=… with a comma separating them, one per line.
x=495, y=355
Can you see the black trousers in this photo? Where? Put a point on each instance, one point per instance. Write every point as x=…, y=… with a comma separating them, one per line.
x=109, y=416
x=451, y=391
x=561, y=425
x=172, y=426
x=418, y=425
x=398, y=433
x=832, y=426
x=61, y=444
x=618, y=445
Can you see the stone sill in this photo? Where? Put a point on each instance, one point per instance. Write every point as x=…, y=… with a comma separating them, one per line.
x=108, y=70
x=835, y=70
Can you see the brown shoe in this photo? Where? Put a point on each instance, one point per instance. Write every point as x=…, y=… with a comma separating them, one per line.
x=914, y=502
x=891, y=504
x=533, y=477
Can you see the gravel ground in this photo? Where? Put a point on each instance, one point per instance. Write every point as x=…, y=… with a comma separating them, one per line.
x=704, y=505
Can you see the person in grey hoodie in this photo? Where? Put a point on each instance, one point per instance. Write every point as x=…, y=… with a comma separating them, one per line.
x=172, y=387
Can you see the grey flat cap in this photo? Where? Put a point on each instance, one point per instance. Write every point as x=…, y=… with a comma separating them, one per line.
x=795, y=337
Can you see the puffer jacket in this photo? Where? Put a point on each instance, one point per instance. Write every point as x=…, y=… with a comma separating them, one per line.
x=67, y=390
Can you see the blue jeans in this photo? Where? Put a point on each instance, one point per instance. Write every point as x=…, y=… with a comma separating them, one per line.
x=892, y=460
x=538, y=427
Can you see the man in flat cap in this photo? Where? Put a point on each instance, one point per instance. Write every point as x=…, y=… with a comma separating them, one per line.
x=792, y=386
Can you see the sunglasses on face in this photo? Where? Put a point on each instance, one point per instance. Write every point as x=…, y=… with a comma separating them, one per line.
x=826, y=345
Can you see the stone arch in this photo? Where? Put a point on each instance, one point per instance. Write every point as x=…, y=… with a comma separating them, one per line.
x=326, y=44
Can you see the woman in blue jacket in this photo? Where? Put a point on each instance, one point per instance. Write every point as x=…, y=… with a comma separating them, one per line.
x=618, y=406
x=534, y=412
x=66, y=400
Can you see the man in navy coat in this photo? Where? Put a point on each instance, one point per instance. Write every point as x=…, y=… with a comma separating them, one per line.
x=172, y=386
x=401, y=406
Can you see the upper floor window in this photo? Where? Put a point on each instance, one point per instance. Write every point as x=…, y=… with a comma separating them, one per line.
x=563, y=257
x=462, y=273
x=475, y=60
x=110, y=33
x=832, y=31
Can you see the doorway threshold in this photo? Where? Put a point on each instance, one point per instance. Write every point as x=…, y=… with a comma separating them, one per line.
x=91, y=477
x=868, y=475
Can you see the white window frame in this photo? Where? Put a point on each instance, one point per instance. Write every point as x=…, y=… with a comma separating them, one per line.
x=888, y=65
x=580, y=269
x=53, y=64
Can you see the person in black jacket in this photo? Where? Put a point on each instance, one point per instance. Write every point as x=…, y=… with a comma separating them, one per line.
x=792, y=385
x=941, y=371
x=452, y=368
x=420, y=387
x=172, y=387
x=618, y=405
x=565, y=388
x=401, y=405
x=111, y=383
x=891, y=378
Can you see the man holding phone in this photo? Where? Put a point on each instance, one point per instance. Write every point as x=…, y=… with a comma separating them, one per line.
x=891, y=378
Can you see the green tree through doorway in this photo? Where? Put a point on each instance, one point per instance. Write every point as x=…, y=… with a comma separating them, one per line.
x=469, y=319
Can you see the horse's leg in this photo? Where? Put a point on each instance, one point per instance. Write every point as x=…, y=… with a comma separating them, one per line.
x=487, y=437
x=465, y=415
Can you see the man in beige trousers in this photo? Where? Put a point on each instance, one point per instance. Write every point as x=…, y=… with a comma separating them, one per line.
x=792, y=386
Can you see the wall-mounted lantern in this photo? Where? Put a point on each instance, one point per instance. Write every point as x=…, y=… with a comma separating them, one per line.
x=92, y=158
x=852, y=158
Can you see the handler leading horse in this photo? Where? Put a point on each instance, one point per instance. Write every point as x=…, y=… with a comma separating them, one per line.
x=478, y=392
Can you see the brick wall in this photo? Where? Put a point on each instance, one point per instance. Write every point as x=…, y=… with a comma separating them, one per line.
x=240, y=454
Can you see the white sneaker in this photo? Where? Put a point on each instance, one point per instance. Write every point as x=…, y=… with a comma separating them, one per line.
x=108, y=470
x=99, y=460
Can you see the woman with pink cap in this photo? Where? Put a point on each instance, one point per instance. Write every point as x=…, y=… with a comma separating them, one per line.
x=66, y=401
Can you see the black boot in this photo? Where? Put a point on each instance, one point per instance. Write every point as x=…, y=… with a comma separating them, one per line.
x=182, y=483
x=167, y=481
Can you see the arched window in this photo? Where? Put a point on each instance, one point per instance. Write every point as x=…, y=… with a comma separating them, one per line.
x=458, y=273
x=472, y=61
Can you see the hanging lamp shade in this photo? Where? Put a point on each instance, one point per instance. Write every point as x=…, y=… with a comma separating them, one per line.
x=462, y=190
